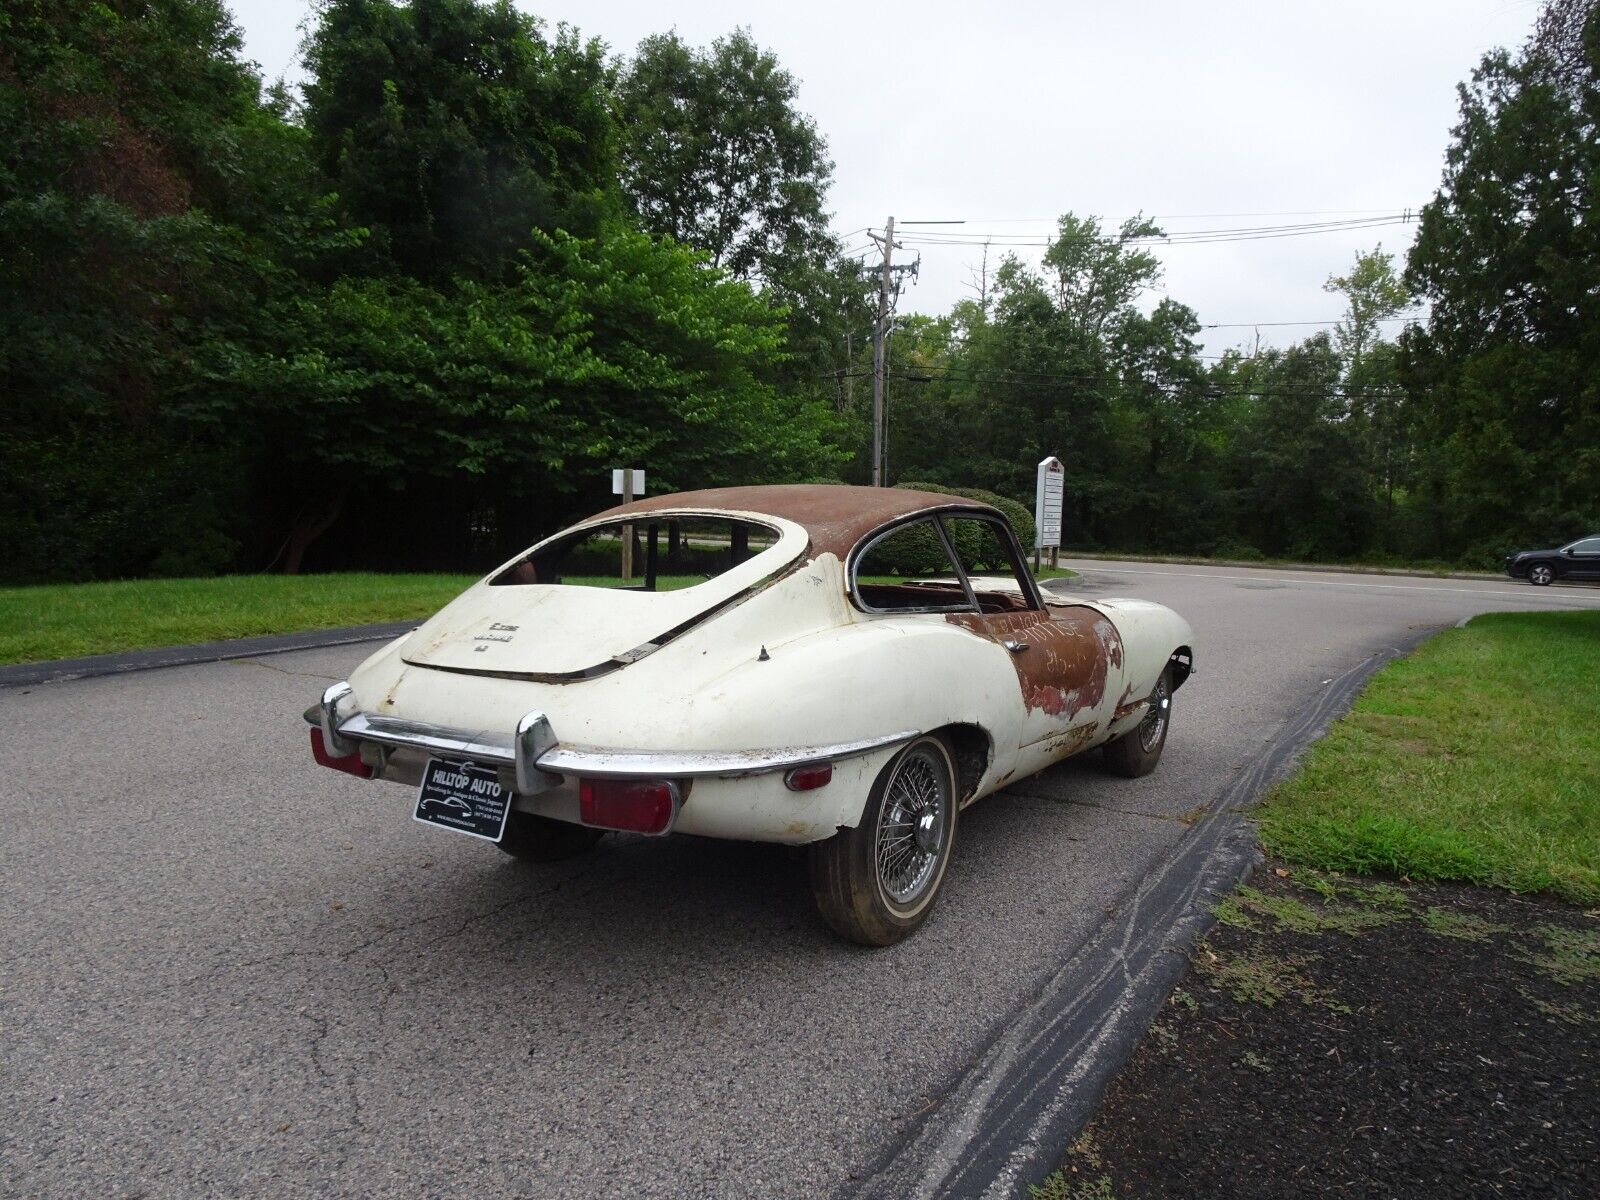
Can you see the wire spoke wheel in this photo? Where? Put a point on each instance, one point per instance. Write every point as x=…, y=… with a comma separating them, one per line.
x=1137, y=751
x=1154, y=725
x=912, y=824
x=874, y=882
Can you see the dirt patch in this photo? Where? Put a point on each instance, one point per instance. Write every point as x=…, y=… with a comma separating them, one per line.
x=1352, y=1039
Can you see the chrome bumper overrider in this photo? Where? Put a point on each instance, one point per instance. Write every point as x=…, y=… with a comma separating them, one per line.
x=534, y=754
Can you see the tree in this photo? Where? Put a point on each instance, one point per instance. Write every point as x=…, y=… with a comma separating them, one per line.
x=148, y=198
x=1374, y=401
x=1293, y=465
x=1373, y=293
x=715, y=154
x=1096, y=278
x=1505, y=378
x=452, y=128
x=504, y=399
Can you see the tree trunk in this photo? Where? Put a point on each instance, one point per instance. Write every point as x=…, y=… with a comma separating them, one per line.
x=311, y=524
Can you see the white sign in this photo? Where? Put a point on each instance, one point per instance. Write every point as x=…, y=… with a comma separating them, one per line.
x=616, y=482
x=1052, y=486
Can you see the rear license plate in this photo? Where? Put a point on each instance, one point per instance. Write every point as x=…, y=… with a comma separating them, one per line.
x=465, y=797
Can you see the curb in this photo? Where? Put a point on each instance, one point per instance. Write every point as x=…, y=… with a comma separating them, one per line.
x=1330, y=569
x=63, y=669
x=1009, y=1121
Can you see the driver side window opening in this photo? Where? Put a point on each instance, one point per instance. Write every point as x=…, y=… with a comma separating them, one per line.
x=999, y=581
x=911, y=568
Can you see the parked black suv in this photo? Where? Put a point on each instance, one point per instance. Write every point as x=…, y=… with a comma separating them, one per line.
x=1576, y=560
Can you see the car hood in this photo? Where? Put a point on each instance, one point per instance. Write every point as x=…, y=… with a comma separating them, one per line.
x=554, y=631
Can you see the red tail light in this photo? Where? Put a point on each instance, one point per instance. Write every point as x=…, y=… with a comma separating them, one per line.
x=634, y=805
x=804, y=779
x=350, y=764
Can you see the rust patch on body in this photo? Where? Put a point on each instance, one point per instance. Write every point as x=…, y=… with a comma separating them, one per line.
x=1065, y=745
x=1068, y=660
x=1124, y=705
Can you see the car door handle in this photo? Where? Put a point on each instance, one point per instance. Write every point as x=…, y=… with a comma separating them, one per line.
x=1014, y=646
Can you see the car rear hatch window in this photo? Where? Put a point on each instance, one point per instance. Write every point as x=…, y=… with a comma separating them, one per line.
x=603, y=595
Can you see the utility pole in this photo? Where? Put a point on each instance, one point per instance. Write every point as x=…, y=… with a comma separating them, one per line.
x=888, y=292
x=880, y=354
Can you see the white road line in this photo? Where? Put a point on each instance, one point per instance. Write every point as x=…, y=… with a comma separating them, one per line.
x=1536, y=598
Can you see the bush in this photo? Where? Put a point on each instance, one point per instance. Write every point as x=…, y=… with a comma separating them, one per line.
x=919, y=552
x=1019, y=516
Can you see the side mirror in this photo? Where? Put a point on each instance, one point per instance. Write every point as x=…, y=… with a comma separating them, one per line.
x=1566, y=550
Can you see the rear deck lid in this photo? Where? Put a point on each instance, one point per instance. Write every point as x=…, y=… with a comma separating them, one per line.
x=572, y=630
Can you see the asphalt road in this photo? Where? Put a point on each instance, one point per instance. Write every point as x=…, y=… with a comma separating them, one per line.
x=225, y=971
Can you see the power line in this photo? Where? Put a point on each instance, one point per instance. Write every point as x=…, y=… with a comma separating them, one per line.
x=1031, y=378
x=1296, y=212
x=1268, y=324
x=1193, y=237
x=1390, y=215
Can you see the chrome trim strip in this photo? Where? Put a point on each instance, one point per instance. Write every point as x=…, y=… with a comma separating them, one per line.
x=436, y=739
x=328, y=717
x=626, y=764
x=534, y=741
x=541, y=753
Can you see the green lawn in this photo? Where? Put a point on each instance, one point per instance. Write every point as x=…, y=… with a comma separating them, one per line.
x=1476, y=758
x=68, y=620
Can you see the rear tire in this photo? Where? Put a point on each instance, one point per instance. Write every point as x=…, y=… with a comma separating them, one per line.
x=1138, y=751
x=876, y=883
x=532, y=838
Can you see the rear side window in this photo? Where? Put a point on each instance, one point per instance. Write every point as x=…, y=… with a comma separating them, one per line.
x=666, y=553
x=909, y=569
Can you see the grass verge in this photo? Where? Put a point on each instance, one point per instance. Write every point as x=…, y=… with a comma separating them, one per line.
x=1476, y=758
x=68, y=620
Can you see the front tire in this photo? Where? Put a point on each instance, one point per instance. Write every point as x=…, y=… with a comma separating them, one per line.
x=1138, y=751
x=1541, y=574
x=876, y=883
x=535, y=839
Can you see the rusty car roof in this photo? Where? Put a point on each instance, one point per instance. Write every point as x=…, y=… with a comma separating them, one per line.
x=835, y=516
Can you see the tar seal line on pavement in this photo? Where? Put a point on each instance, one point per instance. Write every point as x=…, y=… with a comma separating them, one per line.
x=1009, y=1122
x=63, y=669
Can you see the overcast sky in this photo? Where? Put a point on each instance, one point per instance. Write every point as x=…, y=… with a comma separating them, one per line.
x=1006, y=115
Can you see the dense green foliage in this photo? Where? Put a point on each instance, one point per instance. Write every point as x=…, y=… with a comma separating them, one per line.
x=406, y=323
x=1504, y=376
x=1474, y=434
x=410, y=318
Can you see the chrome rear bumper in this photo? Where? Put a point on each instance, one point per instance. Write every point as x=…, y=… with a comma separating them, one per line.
x=534, y=755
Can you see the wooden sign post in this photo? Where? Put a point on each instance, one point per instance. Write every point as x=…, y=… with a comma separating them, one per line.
x=629, y=484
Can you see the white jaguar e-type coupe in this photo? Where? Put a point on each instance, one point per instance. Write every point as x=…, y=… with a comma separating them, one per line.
x=838, y=667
